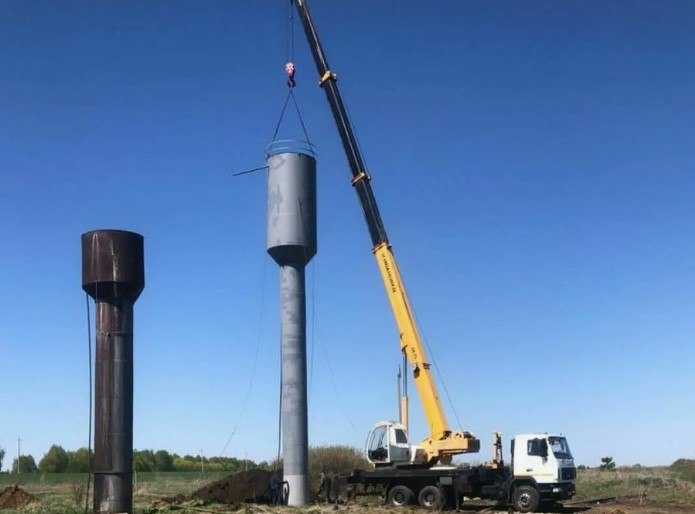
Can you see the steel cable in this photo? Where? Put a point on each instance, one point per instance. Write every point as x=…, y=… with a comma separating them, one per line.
x=89, y=438
x=436, y=367
x=244, y=404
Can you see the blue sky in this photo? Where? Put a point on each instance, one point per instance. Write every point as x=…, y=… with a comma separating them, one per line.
x=533, y=163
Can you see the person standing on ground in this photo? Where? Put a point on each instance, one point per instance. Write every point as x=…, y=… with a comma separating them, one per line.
x=325, y=488
x=274, y=489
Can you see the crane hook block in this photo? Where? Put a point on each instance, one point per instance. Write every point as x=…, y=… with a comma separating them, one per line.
x=289, y=71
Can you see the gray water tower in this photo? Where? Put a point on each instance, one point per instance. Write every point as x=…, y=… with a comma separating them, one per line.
x=292, y=243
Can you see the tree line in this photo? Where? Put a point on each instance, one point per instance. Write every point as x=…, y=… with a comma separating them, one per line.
x=59, y=460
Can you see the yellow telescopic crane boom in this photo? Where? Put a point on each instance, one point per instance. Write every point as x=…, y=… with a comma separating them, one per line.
x=442, y=442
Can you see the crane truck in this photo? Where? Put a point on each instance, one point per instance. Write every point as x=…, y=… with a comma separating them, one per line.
x=542, y=468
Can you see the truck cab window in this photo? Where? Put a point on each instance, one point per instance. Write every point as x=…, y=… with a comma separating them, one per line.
x=537, y=447
x=560, y=448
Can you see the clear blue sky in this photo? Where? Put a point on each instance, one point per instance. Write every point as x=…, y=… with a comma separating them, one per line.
x=533, y=162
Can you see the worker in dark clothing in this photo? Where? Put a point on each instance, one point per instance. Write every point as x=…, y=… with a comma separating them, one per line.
x=275, y=489
x=325, y=488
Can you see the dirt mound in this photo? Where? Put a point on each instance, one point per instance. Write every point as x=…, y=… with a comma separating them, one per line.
x=244, y=487
x=14, y=497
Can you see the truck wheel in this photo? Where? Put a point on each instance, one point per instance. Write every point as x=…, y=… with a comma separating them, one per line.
x=430, y=497
x=525, y=498
x=399, y=496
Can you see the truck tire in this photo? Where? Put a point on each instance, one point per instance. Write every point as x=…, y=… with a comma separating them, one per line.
x=430, y=497
x=526, y=498
x=399, y=496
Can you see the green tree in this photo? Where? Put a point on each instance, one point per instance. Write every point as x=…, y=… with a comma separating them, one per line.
x=55, y=461
x=607, y=464
x=79, y=461
x=163, y=461
x=185, y=465
x=2, y=456
x=143, y=460
x=27, y=464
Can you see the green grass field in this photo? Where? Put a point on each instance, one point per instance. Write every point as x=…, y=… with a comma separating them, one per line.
x=68, y=478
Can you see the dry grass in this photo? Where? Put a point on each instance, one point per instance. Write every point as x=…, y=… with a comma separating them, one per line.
x=641, y=485
x=59, y=496
x=145, y=493
x=649, y=487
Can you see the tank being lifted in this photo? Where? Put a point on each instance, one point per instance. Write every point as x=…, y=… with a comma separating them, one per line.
x=291, y=204
x=292, y=243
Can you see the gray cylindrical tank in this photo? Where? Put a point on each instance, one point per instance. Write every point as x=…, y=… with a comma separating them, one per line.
x=291, y=207
x=292, y=243
x=113, y=273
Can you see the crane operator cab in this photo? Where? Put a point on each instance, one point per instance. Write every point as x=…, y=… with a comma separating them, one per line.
x=387, y=445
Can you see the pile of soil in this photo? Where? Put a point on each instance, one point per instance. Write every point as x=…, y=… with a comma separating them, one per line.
x=14, y=497
x=244, y=487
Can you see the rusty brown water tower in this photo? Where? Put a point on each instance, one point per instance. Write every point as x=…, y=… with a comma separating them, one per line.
x=113, y=274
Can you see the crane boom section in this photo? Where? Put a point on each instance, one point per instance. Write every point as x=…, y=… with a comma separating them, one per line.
x=360, y=178
x=410, y=341
x=442, y=442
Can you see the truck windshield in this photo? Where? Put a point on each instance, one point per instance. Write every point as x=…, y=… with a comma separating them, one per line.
x=560, y=448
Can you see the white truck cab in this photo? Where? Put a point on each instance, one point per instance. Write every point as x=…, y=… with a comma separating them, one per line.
x=544, y=462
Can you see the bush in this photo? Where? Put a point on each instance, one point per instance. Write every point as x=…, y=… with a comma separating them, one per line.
x=333, y=461
x=181, y=464
x=684, y=468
